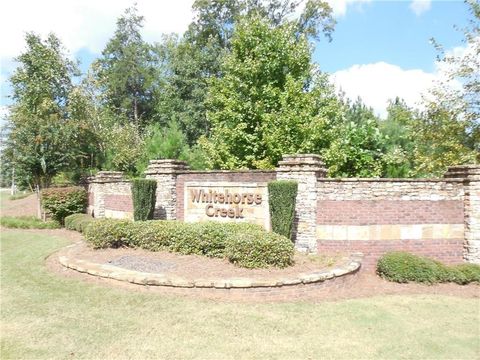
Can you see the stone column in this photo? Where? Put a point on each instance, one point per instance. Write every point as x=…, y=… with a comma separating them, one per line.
x=471, y=202
x=304, y=169
x=165, y=172
x=99, y=183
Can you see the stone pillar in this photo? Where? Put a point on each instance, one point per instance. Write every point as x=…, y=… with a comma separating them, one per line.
x=165, y=172
x=305, y=169
x=99, y=182
x=471, y=208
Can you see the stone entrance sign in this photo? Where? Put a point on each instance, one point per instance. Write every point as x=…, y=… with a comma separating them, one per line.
x=227, y=201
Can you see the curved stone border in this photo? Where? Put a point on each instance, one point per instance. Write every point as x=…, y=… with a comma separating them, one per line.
x=351, y=266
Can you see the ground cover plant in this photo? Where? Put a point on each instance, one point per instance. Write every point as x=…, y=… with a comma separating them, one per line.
x=404, y=267
x=78, y=222
x=48, y=316
x=61, y=202
x=246, y=245
x=27, y=222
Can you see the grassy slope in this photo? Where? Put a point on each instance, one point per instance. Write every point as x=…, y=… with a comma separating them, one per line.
x=44, y=316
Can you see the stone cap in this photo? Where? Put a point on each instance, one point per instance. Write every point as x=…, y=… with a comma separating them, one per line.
x=165, y=166
x=302, y=162
x=470, y=172
x=108, y=176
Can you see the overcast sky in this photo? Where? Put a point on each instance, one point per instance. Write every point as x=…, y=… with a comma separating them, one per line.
x=380, y=49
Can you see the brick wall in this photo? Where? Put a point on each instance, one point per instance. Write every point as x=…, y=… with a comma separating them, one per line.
x=375, y=216
x=217, y=176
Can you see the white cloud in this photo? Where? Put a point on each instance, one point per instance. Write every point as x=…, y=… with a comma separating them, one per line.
x=379, y=82
x=85, y=24
x=420, y=6
x=340, y=6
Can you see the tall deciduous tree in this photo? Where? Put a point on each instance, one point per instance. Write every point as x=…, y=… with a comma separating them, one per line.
x=196, y=58
x=42, y=133
x=269, y=100
x=127, y=70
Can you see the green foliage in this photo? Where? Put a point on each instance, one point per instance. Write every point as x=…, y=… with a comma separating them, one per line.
x=61, y=202
x=356, y=146
x=105, y=233
x=78, y=222
x=404, y=267
x=196, y=58
x=267, y=103
x=282, y=197
x=169, y=143
x=210, y=239
x=42, y=137
x=144, y=197
x=126, y=71
x=259, y=250
x=27, y=222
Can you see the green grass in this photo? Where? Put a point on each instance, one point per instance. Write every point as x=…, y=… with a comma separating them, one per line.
x=27, y=222
x=44, y=315
x=19, y=196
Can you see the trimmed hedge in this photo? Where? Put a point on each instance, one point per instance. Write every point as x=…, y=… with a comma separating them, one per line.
x=403, y=267
x=27, y=222
x=61, y=202
x=282, y=197
x=213, y=239
x=144, y=196
x=78, y=222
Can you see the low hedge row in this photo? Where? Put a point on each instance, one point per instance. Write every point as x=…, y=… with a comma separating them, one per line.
x=27, y=222
x=403, y=267
x=78, y=222
x=246, y=245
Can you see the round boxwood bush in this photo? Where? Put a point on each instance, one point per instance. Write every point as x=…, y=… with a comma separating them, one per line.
x=78, y=222
x=403, y=267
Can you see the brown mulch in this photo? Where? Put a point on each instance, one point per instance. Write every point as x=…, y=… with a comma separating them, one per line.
x=197, y=266
x=367, y=284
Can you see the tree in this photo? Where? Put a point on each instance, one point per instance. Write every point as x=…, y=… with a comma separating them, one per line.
x=356, y=145
x=463, y=104
x=127, y=70
x=196, y=58
x=41, y=140
x=269, y=101
x=399, y=139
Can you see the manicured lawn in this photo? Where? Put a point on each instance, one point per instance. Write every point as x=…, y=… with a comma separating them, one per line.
x=47, y=316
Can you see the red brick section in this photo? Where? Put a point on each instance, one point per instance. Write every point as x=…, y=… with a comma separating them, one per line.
x=381, y=212
x=119, y=203
x=447, y=251
x=221, y=176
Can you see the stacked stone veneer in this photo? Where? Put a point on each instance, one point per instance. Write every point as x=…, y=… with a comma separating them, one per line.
x=435, y=217
x=109, y=195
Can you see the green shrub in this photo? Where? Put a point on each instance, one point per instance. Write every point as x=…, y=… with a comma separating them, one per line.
x=281, y=200
x=105, y=233
x=259, y=250
x=61, y=202
x=469, y=273
x=27, y=222
x=78, y=222
x=211, y=239
x=404, y=267
x=144, y=195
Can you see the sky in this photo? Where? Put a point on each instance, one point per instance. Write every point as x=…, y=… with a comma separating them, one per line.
x=379, y=49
